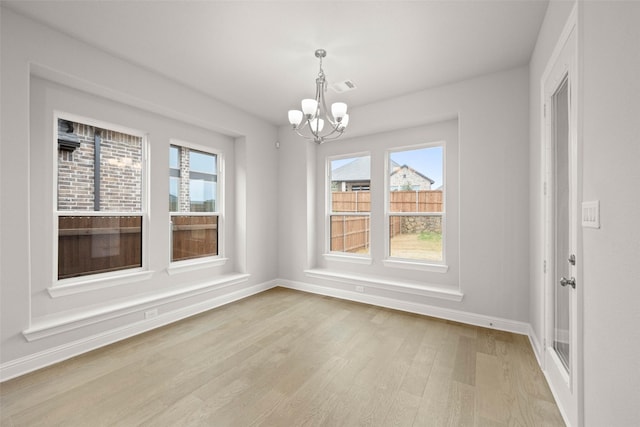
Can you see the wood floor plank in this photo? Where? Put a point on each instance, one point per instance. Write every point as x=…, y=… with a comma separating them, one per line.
x=434, y=403
x=289, y=358
x=464, y=370
x=492, y=399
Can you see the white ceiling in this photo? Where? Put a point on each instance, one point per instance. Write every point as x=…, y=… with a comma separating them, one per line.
x=259, y=56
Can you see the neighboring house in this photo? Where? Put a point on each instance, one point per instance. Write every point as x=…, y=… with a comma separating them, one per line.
x=405, y=178
x=356, y=176
x=353, y=176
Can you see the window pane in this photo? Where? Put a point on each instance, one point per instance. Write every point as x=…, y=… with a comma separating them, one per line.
x=202, y=182
x=416, y=180
x=174, y=193
x=416, y=237
x=98, y=170
x=174, y=157
x=202, y=195
x=202, y=162
x=90, y=245
x=194, y=237
x=350, y=234
x=350, y=184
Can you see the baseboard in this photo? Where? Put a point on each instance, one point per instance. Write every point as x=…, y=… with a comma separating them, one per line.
x=538, y=350
x=48, y=357
x=56, y=325
x=497, y=323
x=32, y=362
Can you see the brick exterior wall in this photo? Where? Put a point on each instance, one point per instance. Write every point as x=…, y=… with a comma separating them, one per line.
x=120, y=172
x=185, y=198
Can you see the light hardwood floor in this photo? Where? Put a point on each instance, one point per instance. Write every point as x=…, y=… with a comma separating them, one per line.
x=287, y=358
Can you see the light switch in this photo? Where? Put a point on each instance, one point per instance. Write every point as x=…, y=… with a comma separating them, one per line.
x=591, y=214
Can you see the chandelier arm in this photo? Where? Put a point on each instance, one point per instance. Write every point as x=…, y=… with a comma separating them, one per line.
x=327, y=112
x=302, y=125
x=320, y=139
x=335, y=129
x=319, y=97
x=314, y=132
x=328, y=138
x=315, y=135
x=303, y=135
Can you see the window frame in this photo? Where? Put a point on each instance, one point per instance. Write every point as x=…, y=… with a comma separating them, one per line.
x=204, y=261
x=340, y=255
x=72, y=285
x=410, y=263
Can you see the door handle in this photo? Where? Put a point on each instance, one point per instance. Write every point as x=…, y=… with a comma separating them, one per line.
x=564, y=282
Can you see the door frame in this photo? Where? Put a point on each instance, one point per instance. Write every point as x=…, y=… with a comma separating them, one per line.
x=567, y=388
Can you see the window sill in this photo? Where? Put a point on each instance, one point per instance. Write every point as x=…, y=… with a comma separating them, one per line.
x=49, y=326
x=348, y=258
x=87, y=284
x=389, y=284
x=415, y=265
x=197, y=264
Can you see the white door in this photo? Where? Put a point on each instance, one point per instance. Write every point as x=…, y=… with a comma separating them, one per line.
x=562, y=341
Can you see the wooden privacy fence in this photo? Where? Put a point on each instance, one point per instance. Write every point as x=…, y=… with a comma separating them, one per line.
x=351, y=233
x=98, y=244
x=351, y=201
x=399, y=201
x=193, y=236
x=415, y=201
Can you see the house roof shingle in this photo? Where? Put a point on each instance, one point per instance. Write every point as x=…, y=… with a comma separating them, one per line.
x=360, y=170
x=357, y=170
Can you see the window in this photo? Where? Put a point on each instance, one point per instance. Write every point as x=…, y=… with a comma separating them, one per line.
x=100, y=199
x=415, y=208
x=193, y=203
x=174, y=178
x=350, y=205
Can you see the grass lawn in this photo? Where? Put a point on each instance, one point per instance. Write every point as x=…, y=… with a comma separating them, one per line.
x=418, y=246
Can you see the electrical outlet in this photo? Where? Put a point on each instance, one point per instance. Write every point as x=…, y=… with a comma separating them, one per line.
x=360, y=289
x=150, y=313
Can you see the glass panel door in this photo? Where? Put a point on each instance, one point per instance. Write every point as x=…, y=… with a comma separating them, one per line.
x=561, y=341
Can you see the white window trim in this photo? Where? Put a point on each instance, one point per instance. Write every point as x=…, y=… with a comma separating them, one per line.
x=414, y=264
x=338, y=255
x=410, y=264
x=352, y=258
x=90, y=282
x=76, y=285
x=387, y=283
x=183, y=266
x=186, y=265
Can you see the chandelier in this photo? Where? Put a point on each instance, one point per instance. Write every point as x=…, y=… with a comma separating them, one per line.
x=315, y=114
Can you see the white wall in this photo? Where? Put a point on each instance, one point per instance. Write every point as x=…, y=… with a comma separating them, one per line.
x=610, y=41
x=85, y=77
x=493, y=149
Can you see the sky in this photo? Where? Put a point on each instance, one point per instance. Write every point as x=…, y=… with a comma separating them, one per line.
x=199, y=191
x=428, y=161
